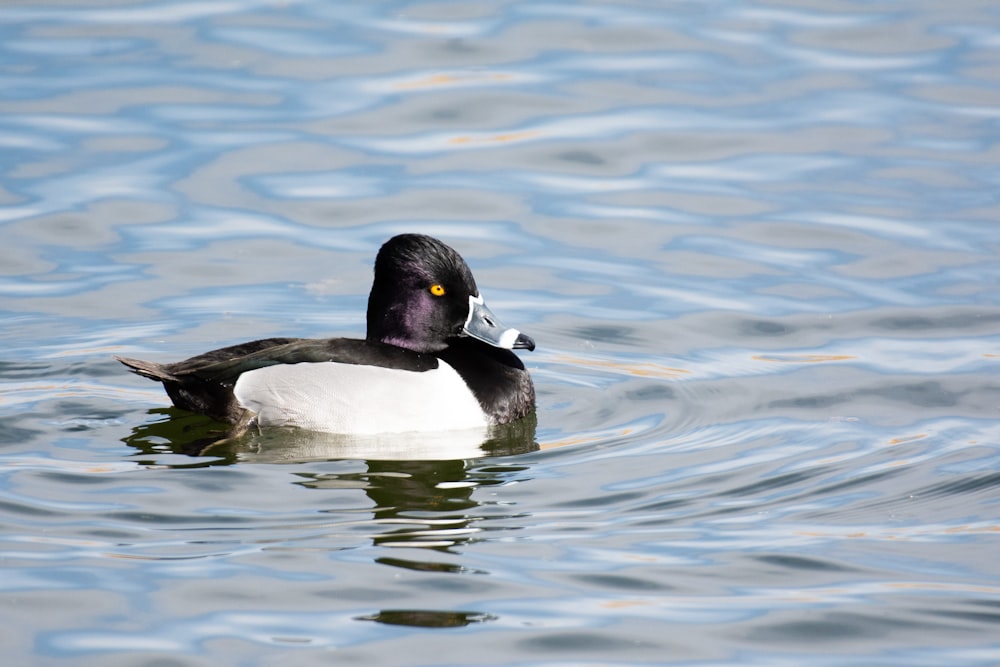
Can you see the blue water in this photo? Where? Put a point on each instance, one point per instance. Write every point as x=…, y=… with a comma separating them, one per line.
x=757, y=246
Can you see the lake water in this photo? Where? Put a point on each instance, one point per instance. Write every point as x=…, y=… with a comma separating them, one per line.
x=756, y=242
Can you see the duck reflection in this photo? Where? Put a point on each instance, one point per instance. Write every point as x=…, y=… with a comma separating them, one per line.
x=179, y=432
x=424, y=618
x=426, y=504
x=421, y=486
x=429, y=505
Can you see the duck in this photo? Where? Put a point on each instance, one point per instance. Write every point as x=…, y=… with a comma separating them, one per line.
x=434, y=358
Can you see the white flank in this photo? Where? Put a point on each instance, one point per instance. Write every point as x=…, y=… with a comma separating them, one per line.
x=348, y=398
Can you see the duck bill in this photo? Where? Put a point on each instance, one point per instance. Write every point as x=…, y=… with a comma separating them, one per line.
x=483, y=325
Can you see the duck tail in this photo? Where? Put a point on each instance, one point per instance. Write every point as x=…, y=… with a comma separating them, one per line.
x=149, y=369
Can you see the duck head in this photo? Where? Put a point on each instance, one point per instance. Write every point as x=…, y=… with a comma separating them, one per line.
x=424, y=295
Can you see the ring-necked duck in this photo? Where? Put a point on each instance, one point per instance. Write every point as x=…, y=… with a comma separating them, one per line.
x=435, y=358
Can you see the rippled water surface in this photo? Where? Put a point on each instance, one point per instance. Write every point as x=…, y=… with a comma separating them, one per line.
x=756, y=242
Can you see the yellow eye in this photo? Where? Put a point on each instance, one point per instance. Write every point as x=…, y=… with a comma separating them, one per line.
x=437, y=290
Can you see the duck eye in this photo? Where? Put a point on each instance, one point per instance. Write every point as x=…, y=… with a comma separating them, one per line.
x=437, y=289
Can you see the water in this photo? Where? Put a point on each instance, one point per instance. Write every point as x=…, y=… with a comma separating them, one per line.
x=755, y=242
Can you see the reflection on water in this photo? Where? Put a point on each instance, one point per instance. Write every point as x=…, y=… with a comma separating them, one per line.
x=756, y=243
x=426, y=504
x=195, y=435
x=427, y=619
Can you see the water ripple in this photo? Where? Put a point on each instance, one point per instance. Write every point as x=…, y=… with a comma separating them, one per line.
x=755, y=244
